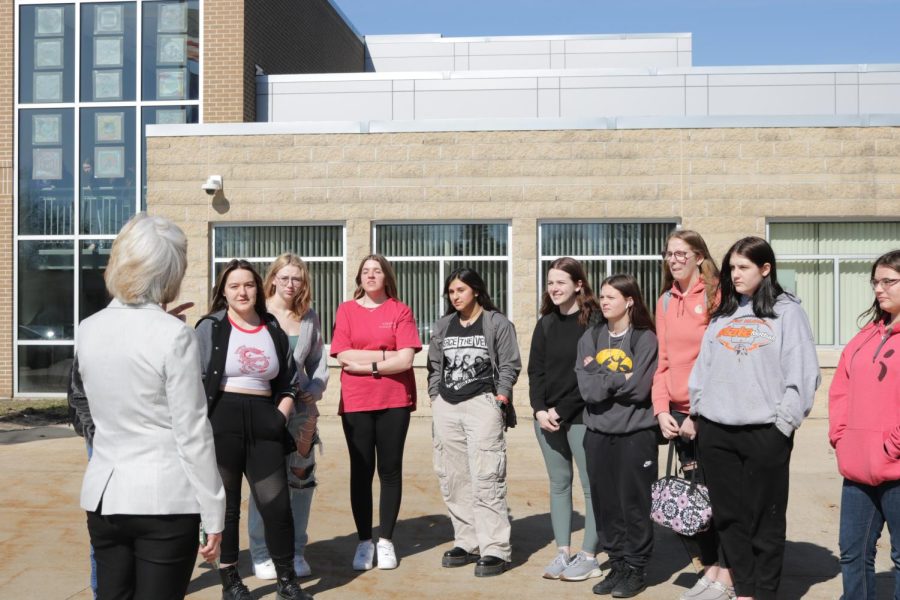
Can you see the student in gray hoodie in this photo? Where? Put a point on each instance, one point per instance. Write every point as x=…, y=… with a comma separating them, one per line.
x=751, y=387
x=615, y=365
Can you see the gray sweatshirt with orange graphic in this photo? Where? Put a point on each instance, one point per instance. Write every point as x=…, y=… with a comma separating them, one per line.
x=754, y=371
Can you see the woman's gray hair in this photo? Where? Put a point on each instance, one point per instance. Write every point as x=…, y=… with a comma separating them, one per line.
x=148, y=261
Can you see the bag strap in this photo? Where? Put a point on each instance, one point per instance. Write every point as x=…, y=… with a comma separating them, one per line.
x=671, y=458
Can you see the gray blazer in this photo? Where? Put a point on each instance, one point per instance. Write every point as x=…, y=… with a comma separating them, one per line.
x=153, y=450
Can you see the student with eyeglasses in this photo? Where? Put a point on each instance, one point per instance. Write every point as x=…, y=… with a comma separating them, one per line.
x=864, y=429
x=288, y=292
x=751, y=387
x=689, y=295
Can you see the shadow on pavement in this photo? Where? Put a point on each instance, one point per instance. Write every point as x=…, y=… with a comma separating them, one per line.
x=20, y=436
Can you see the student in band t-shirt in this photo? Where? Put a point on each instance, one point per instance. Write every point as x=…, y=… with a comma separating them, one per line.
x=473, y=363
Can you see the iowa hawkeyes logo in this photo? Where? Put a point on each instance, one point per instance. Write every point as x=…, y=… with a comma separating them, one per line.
x=615, y=360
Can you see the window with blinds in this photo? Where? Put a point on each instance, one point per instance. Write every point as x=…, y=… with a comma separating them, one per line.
x=424, y=254
x=320, y=245
x=606, y=249
x=828, y=266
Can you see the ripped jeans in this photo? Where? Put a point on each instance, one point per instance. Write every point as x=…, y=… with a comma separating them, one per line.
x=470, y=462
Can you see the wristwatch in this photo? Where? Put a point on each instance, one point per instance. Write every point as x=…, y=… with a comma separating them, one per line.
x=374, y=369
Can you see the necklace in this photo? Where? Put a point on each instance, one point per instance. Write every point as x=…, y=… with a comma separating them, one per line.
x=472, y=318
x=610, y=335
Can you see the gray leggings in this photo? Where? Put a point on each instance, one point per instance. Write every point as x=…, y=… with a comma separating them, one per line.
x=559, y=448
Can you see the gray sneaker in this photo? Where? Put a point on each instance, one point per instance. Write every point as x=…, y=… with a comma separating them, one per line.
x=581, y=567
x=557, y=566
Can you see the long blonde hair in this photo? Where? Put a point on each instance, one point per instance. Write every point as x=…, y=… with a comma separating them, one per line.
x=709, y=272
x=302, y=300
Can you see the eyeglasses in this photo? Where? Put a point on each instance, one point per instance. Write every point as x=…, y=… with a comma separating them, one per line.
x=885, y=283
x=287, y=280
x=679, y=255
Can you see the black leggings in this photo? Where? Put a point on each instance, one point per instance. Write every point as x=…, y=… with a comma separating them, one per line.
x=249, y=433
x=143, y=557
x=380, y=433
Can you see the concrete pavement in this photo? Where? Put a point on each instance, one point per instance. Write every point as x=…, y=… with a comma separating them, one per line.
x=44, y=549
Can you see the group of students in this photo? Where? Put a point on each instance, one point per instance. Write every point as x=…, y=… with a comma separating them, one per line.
x=728, y=371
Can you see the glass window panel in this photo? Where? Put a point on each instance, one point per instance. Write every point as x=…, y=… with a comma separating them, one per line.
x=92, y=294
x=161, y=115
x=46, y=53
x=874, y=238
x=603, y=239
x=855, y=294
x=107, y=176
x=648, y=274
x=271, y=240
x=108, y=43
x=260, y=244
x=46, y=171
x=46, y=283
x=171, y=50
x=419, y=286
x=813, y=282
x=45, y=369
x=451, y=239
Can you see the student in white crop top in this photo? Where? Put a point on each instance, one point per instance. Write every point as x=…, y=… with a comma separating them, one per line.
x=249, y=378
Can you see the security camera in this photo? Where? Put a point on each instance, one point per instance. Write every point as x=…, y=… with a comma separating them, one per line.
x=212, y=185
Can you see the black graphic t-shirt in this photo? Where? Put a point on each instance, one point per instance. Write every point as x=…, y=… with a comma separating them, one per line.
x=467, y=363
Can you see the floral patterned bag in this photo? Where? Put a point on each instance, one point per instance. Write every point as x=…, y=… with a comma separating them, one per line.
x=679, y=503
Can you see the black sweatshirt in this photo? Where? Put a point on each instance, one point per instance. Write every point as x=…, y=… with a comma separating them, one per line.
x=551, y=376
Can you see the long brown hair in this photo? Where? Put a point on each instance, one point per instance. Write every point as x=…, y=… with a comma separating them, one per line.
x=584, y=297
x=875, y=313
x=218, y=300
x=628, y=286
x=302, y=299
x=709, y=272
x=390, y=279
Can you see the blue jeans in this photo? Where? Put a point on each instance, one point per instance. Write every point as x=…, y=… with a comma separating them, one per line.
x=864, y=511
x=90, y=451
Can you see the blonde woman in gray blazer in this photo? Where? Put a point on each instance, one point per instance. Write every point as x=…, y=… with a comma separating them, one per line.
x=153, y=477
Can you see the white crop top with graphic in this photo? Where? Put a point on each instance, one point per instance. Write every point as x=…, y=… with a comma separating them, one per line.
x=252, y=360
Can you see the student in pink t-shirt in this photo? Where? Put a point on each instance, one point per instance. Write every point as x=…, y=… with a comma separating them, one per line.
x=375, y=338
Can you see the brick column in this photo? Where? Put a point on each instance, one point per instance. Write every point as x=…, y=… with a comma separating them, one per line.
x=7, y=144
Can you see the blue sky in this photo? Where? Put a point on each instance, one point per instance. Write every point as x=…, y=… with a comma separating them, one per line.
x=725, y=32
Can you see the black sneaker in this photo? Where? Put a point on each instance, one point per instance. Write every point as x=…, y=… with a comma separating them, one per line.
x=616, y=573
x=631, y=584
x=457, y=557
x=488, y=566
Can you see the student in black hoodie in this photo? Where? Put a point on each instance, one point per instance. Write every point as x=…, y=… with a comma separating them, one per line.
x=615, y=366
x=567, y=309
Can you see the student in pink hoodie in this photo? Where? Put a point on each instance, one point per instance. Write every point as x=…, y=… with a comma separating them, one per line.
x=690, y=294
x=864, y=428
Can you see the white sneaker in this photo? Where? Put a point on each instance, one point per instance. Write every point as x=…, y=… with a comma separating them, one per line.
x=365, y=553
x=265, y=570
x=301, y=567
x=387, y=558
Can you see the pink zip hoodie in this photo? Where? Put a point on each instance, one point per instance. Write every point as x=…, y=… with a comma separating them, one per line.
x=864, y=406
x=680, y=330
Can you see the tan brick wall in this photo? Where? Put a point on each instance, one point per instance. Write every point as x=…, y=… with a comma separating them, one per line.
x=281, y=36
x=7, y=137
x=723, y=182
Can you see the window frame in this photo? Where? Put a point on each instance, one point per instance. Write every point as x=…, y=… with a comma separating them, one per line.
x=835, y=265
x=443, y=259
x=76, y=238
x=608, y=258
x=342, y=259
